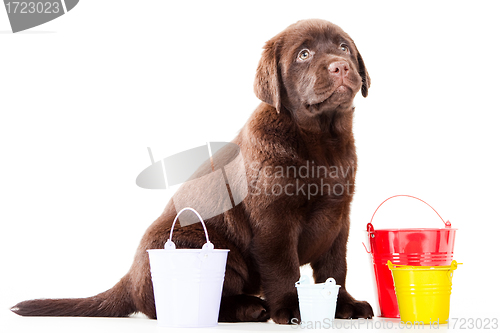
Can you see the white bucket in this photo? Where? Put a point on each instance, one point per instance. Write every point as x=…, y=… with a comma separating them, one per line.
x=187, y=283
x=317, y=302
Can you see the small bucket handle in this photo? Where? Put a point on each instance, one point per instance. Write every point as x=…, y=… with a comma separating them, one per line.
x=306, y=280
x=169, y=245
x=326, y=292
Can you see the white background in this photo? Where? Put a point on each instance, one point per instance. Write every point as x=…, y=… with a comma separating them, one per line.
x=82, y=97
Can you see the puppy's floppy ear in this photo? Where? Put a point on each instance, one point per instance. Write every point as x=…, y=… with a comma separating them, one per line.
x=267, y=82
x=364, y=76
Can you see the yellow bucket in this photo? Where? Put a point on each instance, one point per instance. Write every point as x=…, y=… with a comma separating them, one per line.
x=423, y=292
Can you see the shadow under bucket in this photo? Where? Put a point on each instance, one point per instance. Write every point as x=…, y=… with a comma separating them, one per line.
x=415, y=246
x=187, y=283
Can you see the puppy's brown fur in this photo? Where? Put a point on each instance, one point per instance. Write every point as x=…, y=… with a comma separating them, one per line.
x=305, y=120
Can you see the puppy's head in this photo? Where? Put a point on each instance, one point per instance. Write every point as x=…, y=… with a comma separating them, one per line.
x=310, y=68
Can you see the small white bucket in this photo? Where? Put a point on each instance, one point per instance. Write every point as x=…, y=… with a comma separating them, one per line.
x=317, y=302
x=187, y=283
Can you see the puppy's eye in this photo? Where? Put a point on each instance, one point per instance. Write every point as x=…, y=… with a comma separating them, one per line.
x=344, y=48
x=304, y=54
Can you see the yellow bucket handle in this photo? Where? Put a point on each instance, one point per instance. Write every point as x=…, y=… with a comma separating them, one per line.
x=452, y=267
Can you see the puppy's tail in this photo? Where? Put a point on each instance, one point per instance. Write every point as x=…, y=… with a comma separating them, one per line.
x=115, y=302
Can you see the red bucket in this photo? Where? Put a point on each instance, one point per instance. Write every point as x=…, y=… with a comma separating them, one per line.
x=414, y=247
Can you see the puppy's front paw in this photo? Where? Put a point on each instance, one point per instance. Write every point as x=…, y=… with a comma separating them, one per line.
x=354, y=309
x=287, y=312
x=243, y=308
x=286, y=316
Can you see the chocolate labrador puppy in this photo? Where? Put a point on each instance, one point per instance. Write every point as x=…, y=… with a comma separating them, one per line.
x=300, y=163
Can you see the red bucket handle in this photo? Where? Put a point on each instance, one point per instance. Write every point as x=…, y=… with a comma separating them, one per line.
x=369, y=226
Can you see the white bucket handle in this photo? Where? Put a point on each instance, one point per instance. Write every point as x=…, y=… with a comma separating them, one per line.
x=330, y=281
x=208, y=246
x=326, y=292
x=306, y=280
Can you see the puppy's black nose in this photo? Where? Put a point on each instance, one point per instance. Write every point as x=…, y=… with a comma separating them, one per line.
x=339, y=69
